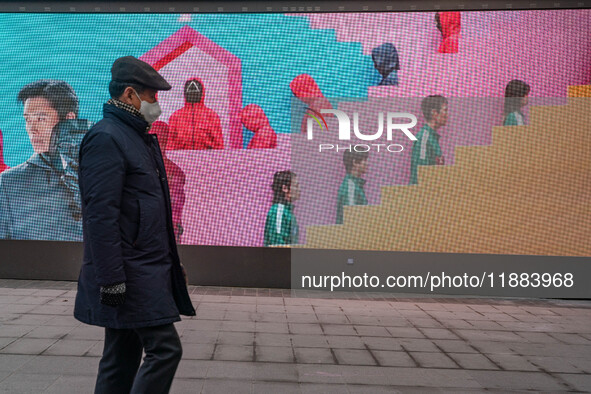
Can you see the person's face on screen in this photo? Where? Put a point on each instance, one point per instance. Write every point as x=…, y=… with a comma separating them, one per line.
x=292, y=192
x=40, y=119
x=360, y=167
x=440, y=118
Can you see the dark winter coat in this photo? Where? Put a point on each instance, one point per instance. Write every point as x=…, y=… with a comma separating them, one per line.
x=127, y=226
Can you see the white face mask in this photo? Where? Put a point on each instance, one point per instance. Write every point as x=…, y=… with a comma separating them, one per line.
x=151, y=111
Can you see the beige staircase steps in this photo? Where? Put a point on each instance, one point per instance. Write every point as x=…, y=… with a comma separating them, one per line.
x=527, y=193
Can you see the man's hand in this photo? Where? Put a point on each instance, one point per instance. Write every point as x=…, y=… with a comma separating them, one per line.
x=439, y=160
x=113, y=295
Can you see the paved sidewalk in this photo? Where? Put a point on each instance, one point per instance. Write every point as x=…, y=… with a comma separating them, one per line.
x=266, y=341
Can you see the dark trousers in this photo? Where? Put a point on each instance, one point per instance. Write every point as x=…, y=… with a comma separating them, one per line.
x=118, y=369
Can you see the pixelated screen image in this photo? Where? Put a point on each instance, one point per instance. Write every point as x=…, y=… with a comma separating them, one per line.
x=458, y=132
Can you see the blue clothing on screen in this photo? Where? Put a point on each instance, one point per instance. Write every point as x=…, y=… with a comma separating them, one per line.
x=39, y=199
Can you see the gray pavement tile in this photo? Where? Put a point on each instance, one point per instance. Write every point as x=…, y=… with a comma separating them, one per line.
x=302, y=318
x=32, y=300
x=230, y=370
x=319, y=388
x=438, y=333
x=583, y=364
x=86, y=332
x=274, y=308
x=372, y=331
x=192, y=369
x=65, y=347
x=363, y=320
x=61, y=365
x=275, y=372
x=418, y=345
x=52, y=310
x=271, y=317
x=49, y=332
x=581, y=382
x=30, y=320
x=239, y=316
x=72, y=384
x=425, y=322
x=66, y=321
x=203, y=325
x=551, y=350
x=11, y=299
x=96, y=350
x=16, y=308
x=4, y=341
x=472, y=361
x=492, y=347
x=510, y=362
x=314, y=356
x=307, y=309
x=22, y=383
x=278, y=354
x=217, y=386
x=326, y=310
x=433, y=360
x=454, y=346
x=432, y=378
x=354, y=357
x=242, y=326
x=199, y=336
x=333, y=319
x=405, y=332
x=272, y=339
x=393, y=359
x=49, y=293
x=339, y=329
x=508, y=380
x=235, y=338
x=301, y=340
x=15, y=330
x=276, y=387
x=186, y=386
x=571, y=339
x=305, y=328
x=537, y=337
x=554, y=364
x=233, y=353
x=344, y=342
x=267, y=327
x=30, y=346
x=325, y=374
x=395, y=321
x=381, y=343
x=197, y=351
x=13, y=362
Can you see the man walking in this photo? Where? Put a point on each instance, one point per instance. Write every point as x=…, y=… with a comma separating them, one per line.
x=131, y=281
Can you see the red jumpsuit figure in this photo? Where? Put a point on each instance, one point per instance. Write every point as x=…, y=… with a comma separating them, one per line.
x=449, y=24
x=2, y=165
x=176, y=178
x=195, y=126
x=306, y=89
x=254, y=119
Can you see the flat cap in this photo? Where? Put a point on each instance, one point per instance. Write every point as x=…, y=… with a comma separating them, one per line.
x=128, y=69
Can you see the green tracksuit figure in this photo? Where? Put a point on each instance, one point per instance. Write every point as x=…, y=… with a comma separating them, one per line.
x=351, y=191
x=426, y=150
x=281, y=227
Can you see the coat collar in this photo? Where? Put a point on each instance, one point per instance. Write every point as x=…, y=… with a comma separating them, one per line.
x=136, y=123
